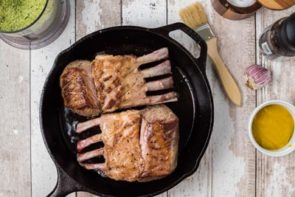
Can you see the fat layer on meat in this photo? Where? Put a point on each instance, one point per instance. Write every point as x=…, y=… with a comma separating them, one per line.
x=139, y=145
x=112, y=82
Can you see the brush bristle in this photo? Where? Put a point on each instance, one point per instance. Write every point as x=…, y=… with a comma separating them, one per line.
x=193, y=15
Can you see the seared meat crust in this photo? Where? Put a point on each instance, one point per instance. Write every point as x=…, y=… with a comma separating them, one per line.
x=77, y=89
x=111, y=82
x=138, y=145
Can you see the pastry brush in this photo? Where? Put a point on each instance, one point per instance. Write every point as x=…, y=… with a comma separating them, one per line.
x=195, y=17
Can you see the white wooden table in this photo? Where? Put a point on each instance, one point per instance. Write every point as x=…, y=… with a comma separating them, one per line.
x=230, y=167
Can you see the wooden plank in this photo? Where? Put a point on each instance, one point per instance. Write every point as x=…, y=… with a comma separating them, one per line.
x=43, y=170
x=103, y=20
x=275, y=176
x=15, y=121
x=228, y=167
x=200, y=183
x=91, y=16
x=96, y=14
x=148, y=13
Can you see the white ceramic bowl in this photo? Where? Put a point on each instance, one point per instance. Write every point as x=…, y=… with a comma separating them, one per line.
x=284, y=150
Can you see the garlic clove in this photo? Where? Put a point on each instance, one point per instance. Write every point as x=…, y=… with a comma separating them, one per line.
x=257, y=76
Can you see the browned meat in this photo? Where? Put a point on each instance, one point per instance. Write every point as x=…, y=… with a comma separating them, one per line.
x=119, y=84
x=78, y=90
x=138, y=145
x=158, y=142
x=120, y=134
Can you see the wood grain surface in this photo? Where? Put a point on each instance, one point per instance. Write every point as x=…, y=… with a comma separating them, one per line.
x=92, y=15
x=276, y=176
x=43, y=170
x=229, y=153
x=230, y=167
x=15, y=156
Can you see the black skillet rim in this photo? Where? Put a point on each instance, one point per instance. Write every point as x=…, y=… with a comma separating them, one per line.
x=201, y=69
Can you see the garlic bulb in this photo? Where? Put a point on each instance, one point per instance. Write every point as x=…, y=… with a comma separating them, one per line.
x=257, y=76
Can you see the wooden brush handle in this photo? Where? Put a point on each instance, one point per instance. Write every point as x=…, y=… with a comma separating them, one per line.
x=229, y=84
x=277, y=4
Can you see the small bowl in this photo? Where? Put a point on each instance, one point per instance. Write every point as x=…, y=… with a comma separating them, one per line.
x=46, y=28
x=288, y=148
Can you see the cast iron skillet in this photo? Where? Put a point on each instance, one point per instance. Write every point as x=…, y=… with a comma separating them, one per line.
x=194, y=109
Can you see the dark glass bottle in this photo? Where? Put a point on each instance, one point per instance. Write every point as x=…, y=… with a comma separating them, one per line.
x=279, y=38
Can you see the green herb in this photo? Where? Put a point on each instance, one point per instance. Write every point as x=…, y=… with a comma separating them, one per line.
x=18, y=14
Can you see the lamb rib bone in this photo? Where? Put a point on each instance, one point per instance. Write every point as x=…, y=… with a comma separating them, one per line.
x=111, y=82
x=121, y=84
x=138, y=145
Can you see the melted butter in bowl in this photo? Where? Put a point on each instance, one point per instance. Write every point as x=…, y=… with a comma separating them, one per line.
x=271, y=128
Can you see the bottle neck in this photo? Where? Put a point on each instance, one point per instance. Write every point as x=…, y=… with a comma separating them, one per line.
x=287, y=33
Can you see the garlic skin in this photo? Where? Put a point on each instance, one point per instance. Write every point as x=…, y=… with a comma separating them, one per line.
x=257, y=76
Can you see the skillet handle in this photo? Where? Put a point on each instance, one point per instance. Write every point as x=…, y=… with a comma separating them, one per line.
x=64, y=186
x=191, y=33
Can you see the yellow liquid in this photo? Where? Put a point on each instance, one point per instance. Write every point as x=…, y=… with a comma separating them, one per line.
x=273, y=127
